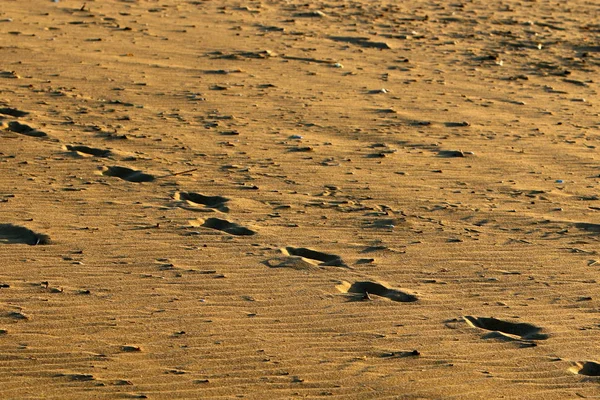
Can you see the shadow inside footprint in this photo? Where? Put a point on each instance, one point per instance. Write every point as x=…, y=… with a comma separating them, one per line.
x=216, y=202
x=26, y=130
x=228, y=227
x=128, y=174
x=367, y=288
x=89, y=150
x=451, y=153
x=13, y=234
x=360, y=41
x=325, y=258
x=516, y=330
x=589, y=227
x=13, y=112
x=588, y=368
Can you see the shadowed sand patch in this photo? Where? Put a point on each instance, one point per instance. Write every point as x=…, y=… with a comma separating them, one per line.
x=313, y=255
x=223, y=225
x=13, y=234
x=194, y=199
x=24, y=129
x=366, y=288
x=89, y=150
x=127, y=174
x=587, y=368
x=505, y=329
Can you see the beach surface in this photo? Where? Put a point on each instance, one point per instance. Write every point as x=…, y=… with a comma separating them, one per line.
x=279, y=200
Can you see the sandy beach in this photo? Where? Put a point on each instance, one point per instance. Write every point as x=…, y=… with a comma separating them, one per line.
x=285, y=199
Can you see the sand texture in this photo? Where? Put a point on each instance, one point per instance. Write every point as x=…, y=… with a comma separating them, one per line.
x=290, y=199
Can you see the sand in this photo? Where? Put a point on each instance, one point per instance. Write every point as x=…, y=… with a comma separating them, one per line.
x=278, y=200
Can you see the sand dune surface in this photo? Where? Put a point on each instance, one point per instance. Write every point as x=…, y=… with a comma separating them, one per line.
x=278, y=200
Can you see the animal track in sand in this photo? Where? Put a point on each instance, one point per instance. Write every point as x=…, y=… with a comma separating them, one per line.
x=12, y=234
x=89, y=150
x=325, y=258
x=588, y=368
x=227, y=227
x=128, y=174
x=24, y=129
x=366, y=288
x=216, y=202
x=506, y=329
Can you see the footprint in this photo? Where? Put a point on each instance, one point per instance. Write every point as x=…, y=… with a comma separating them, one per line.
x=12, y=234
x=293, y=262
x=507, y=330
x=23, y=129
x=13, y=112
x=228, y=227
x=589, y=227
x=77, y=377
x=17, y=315
x=89, y=150
x=360, y=41
x=216, y=202
x=127, y=174
x=452, y=153
x=588, y=368
x=131, y=349
x=325, y=258
x=366, y=288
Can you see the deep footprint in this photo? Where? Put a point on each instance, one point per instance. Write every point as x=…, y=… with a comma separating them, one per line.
x=128, y=174
x=521, y=330
x=90, y=150
x=216, y=202
x=13, y=234
x=228, y=227
x=366, y=288
x=26, y=130
x=13, y=112
x=325, y=258
x=587, y=368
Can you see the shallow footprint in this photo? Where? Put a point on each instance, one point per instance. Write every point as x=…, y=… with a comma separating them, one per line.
x=587, y=368
x=89, y=150
x=293, y=262
x=325, y=258
x=226, y=226
x=216, y=202
x=12, y=234
x=128, y=174
x=366, y=288
x=507, y=329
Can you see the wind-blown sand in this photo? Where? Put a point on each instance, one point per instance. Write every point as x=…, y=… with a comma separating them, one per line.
x=333, y=199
